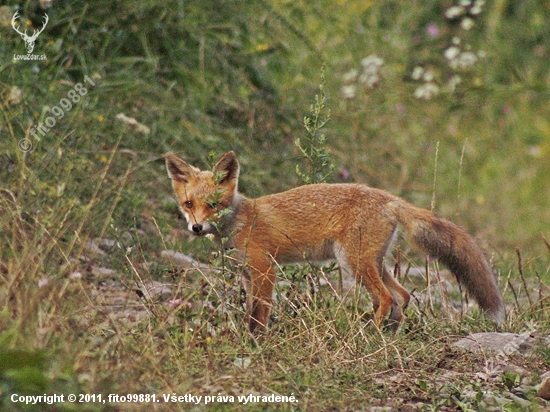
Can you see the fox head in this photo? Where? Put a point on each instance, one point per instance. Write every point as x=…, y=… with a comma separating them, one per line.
x=204, y=197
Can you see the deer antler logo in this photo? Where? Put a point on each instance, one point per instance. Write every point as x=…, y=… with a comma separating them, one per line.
x=29, y=40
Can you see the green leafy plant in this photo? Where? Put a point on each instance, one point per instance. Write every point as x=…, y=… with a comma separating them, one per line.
x=313, y=146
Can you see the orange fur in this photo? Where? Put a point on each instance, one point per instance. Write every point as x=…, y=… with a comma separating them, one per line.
x=351, y=223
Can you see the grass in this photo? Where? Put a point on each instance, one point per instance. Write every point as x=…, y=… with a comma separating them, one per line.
x=97, y=335
x=85, y=214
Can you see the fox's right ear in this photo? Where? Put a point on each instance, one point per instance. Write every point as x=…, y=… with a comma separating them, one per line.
x=228, y=169
x=179, y=170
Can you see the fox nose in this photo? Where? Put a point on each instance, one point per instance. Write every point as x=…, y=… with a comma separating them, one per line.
x=197, y=228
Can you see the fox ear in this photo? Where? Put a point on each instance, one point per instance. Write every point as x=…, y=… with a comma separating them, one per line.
x=227, y=169
x=178, y=169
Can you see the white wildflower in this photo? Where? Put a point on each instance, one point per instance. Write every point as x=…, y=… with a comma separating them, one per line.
x=477, y=7
x=350, y=76
x=451, y=53
x=466, y=59
x=370, y=72
x=456, y=40
x=453, y=82
x=475, y=10
x=349, y=91
x=454, y=12
x=369, y=79
x=426, y=91
x=467, y=23
x=372, y=60
x=428, y=76
x=417, y=73
x=465, y=3
x=15, y=95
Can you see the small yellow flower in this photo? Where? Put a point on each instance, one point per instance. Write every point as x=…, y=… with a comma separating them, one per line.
x=100, y=118
x=208, y=339
x=262, y=47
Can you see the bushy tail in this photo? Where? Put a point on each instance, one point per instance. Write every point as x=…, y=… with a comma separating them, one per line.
x=456, y=249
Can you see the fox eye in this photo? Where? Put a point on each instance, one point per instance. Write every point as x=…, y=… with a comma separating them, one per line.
x=188, y=204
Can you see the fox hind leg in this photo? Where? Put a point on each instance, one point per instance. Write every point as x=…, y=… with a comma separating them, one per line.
x=369, y=277
x=401, y=298
x=365, y=270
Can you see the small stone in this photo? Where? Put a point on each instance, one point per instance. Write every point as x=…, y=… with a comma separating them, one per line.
x=102, y=272
x=158, y=291
x=544, y=388
x=93, y=249
x=179, y=259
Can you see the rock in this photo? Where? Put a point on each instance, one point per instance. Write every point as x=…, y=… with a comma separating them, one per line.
x=93, y=249
x=504, y=344
x=179, y=259
x=158, y=291
x=101, y=272
x=347, y=285
x=130, y=316
x=510, y=367
x=107, y=245
x=187, y=263
x=75, y=275
x=544, y=389
x=520, y=401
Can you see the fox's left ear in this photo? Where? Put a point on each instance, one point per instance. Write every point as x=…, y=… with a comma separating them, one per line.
x=178, y=170
x=227, y=168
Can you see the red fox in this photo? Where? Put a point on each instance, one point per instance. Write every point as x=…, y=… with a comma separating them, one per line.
x=351, y=223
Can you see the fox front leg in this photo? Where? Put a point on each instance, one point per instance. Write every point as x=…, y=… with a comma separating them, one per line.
x=259, y=285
